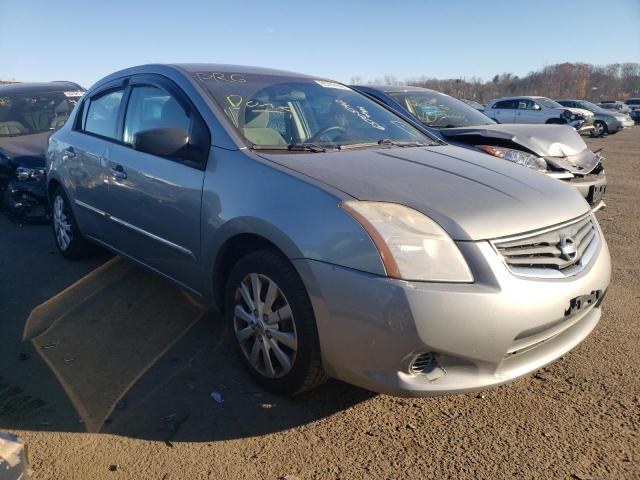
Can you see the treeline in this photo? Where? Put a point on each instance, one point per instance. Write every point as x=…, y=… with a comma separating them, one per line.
x=617, y=81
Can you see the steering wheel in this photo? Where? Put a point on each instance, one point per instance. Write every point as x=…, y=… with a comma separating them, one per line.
x=316, y=137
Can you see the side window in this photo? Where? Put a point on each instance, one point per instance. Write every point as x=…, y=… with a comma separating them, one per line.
x=102, y=115
x=508, y=104
x=151, y=107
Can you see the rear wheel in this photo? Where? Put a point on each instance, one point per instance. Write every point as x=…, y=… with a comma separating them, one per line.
x=273, y=323
x=70, y=242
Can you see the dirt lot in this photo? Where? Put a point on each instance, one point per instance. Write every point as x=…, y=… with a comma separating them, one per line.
x=107, y=373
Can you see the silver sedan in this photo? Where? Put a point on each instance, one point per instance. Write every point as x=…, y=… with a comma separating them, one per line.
x=338, y=240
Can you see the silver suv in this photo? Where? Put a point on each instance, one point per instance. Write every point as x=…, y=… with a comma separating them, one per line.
x=336, y=238
x=539, y=110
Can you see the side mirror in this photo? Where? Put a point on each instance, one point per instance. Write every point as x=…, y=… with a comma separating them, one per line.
x=162, y=141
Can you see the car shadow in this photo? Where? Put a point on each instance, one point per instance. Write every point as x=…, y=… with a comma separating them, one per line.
x=136, y=356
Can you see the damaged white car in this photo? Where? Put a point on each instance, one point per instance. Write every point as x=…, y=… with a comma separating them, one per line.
x=557, y=150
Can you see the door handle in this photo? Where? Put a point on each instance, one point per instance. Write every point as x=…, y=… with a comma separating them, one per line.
x=118, y=172
x=69, y=152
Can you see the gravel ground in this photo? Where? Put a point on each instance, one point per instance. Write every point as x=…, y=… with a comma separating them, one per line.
x=112, y=379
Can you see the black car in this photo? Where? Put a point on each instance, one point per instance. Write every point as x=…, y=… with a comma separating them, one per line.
x=633, y=103
x=29, y=112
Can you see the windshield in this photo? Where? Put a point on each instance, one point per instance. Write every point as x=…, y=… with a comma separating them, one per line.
x=547, y=102
x=439, y=110
x=35, y=112
x=274, y=110
x=592, y=107
x=472, y=103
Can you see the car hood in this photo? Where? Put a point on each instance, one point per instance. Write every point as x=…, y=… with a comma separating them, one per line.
x=473, y=196
x=614, y=113
x=585, y=113
x=25, y=150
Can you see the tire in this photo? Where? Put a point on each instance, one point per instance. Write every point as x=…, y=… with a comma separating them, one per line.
x=69, y=241
x=601, y=127
x=282, y=323
x=555, y=121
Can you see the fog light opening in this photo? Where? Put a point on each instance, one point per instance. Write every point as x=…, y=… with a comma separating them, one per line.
x=425, y=364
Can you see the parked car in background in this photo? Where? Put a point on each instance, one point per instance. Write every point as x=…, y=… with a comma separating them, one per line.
x=553, y=149
x=635, y=115
x=337, y=238
x=633, y=103
x=474, y=104
x=29, y=112
x=605, y=121
x=615, y=105
x=539, y=110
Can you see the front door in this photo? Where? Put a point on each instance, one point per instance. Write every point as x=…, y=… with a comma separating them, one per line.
x=528, y=111
x=155, y=201
x=503, y=111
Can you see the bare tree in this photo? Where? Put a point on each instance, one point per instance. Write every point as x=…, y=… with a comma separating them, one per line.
x=564, y=80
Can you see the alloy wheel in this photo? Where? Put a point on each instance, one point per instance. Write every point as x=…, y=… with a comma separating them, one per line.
x=61, y=223
x=264, y=326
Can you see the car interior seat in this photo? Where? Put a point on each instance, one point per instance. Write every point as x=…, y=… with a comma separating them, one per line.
x=257, y=131
x=12, y=128
x=38, y=119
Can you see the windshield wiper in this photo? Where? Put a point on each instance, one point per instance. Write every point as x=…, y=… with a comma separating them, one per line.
x=386, y=142
x=296, y=147
x=401, y=143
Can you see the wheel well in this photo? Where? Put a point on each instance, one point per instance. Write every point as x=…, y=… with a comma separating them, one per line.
x=231, y=251
x=556, y=121
x=51, y=187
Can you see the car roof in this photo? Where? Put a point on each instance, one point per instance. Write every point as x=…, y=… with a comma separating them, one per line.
x=517, y=96
x=394, y=88
x=188, y=69
x=32, y=87
x=228, y=68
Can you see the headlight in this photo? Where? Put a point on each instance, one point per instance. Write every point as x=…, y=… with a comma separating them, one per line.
x=411, y=245
x=24, y=173
x=516, y=156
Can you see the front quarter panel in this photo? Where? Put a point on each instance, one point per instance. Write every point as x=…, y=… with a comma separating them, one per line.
x=244, y=194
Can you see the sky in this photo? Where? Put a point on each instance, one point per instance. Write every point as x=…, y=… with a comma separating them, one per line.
x=43, y=40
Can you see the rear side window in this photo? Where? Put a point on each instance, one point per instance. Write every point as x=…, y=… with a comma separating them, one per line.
x=509, y=104
x=151, y=107
x=102, y=115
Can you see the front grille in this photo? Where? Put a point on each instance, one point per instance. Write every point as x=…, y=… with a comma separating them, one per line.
x=557, y=252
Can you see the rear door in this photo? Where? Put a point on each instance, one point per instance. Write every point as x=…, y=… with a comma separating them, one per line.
x=503, y=111
x=154, y=201
x=95, y=130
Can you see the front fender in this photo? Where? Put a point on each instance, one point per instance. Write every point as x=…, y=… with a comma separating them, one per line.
x=245, y=195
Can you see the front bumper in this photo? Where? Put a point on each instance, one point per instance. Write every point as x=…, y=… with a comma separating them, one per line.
x=627, y=122
x=592, y=187
x=587, y=127
x=26, y=201
x=481, y=335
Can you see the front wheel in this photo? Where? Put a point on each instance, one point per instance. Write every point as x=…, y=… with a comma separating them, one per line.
x=601, y=128
x=273, y=323
x=70, y=242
